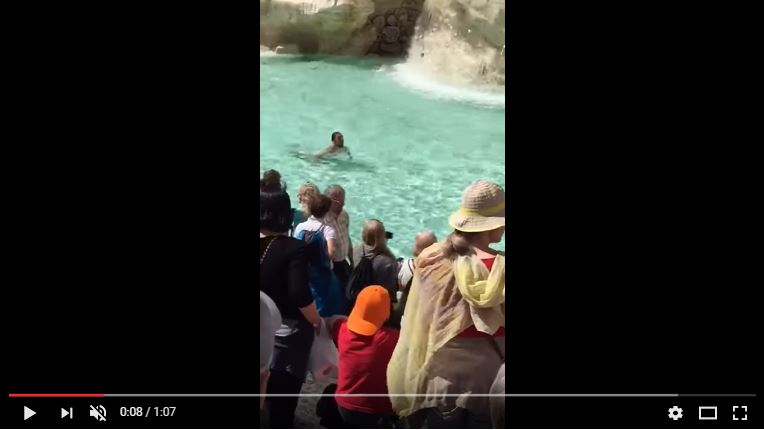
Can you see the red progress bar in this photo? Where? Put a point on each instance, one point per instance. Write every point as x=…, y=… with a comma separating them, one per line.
x=56, y=395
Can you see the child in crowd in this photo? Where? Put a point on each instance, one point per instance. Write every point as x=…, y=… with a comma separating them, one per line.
x=365, y=346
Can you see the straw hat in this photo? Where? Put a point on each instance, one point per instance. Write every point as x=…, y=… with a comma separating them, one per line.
x=371, y=310
x=482, y=208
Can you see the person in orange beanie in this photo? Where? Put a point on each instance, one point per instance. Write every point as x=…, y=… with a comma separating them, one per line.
x=365, y=346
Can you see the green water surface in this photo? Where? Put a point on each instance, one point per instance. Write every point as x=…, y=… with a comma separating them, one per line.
x=414, y=152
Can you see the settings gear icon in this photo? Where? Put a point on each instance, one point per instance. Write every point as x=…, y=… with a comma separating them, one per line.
x=675, y=413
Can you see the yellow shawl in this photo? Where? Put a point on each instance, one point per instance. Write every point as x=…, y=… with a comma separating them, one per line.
x=446, y=298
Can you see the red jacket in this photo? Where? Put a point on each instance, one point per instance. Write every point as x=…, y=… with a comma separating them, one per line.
x=363, y=368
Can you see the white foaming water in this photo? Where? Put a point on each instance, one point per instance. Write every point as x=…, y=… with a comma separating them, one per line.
x=410, y=76
x=458, y=52
x=266, y=52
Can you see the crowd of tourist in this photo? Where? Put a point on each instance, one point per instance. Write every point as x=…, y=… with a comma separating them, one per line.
x=420, y=341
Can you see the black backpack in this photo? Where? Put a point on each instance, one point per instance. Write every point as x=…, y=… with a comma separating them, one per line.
x=361, y=277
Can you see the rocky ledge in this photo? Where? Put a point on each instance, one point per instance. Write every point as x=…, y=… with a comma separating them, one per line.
x=340, y=27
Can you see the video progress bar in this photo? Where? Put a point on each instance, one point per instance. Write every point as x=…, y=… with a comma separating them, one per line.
x=511, y=395
x=514, y=395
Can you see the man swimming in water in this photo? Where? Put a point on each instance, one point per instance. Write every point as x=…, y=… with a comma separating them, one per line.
x=337, y=146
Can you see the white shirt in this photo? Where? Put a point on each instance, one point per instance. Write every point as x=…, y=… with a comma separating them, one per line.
x=314, y=224
x=340, y=223
x=406, y=272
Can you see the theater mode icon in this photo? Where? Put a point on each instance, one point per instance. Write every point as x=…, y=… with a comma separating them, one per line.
x=707, y=413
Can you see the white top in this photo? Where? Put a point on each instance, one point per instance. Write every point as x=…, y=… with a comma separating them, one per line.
x=313, y=224
x=270, y=322
x=340, y=223
x=406, y=272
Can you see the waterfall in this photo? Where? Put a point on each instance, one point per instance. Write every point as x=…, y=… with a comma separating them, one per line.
x=460, y=42
x=456, y=43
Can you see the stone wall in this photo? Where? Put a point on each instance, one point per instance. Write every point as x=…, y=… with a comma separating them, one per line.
x=394, y=28
x=457, y=41
x=341, y=27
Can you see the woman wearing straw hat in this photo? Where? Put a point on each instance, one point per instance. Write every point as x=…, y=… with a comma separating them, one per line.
x=452, y=338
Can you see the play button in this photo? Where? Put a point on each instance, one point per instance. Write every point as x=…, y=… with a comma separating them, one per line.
x=28, y=413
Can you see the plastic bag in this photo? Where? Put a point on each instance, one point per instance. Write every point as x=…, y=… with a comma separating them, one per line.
x=322, y=363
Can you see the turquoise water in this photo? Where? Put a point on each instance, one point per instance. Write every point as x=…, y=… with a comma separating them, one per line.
x=415, y=145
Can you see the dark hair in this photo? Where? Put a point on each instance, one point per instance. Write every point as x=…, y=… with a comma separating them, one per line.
x=319, y=205
x=275, y=211
x=271, y=182
x=335, y=135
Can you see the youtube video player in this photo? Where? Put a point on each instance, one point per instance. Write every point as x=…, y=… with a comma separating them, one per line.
x=472, y=214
